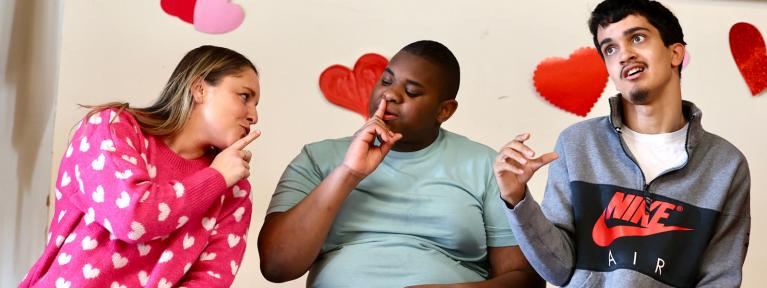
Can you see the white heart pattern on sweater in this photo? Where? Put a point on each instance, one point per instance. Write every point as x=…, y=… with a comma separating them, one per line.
x=143, y=249
x=108, y=145
x=233, y=240
x=89, y=272
x=239, y=193
x=98, y=164
x=123, y=201
x=131, y=160
x=84, y=145
x=207, y=256
x=119, y=261
x=238, y=214
x=208, y=223
x=166, y=256
x=95, y=119
x=164, y=211
x=151, y=170
x=234, y=267
x=89, y=217
x=188, y=241
x=164, y=283
x=143, y=278
x=89, y=244
x=69, y=150
x=179, y=188
x=181, y=221
x=70, y=238
x=123, y=175
x=65, y=179
x=61, y=214
x=98, y=195
x=137, y=231
x=64, y=258
x=63, y=283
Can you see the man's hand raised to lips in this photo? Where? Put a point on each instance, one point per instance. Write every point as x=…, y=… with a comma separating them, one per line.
x=363, y=156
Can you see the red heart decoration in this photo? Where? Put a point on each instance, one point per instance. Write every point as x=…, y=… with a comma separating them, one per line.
x=351, y=89
x=183, y=9
x=572, y=84
x=748, y=49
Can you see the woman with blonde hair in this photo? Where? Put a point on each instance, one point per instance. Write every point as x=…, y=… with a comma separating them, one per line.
x=158, y=196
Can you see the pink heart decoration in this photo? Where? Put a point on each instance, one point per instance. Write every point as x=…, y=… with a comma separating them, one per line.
x=217, y=16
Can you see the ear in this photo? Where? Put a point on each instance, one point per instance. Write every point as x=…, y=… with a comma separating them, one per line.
x=198, y=90
x=446, y=110
x=677, y=54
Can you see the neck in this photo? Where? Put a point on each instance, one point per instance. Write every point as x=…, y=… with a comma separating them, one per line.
x=662, y=114
x=416, y=143
x=187, y=145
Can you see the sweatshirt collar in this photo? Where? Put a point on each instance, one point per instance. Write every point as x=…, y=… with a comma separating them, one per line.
x=689, y=110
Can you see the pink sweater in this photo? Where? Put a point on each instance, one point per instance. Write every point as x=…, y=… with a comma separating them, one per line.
x=132, y=213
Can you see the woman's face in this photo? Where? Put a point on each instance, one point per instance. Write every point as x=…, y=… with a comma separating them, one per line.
x=228, y=109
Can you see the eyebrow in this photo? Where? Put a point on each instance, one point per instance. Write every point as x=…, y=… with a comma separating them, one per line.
x=250, y=91
x=411, y=82
x=625, y=33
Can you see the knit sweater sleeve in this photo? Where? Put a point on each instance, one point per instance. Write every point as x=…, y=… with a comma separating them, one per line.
x=105, y=174
x=221, y=258
x=545, y=238
x=722, y=264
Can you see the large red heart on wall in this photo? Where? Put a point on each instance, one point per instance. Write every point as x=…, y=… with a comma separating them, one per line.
x=748, y=49
x=349, y=88
x=574, y=84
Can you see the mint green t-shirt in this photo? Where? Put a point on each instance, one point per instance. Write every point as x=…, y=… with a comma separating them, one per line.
x=421, y=217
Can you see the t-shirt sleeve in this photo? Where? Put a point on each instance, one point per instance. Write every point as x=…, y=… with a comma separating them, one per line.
x=300, y=177
x=496, y=226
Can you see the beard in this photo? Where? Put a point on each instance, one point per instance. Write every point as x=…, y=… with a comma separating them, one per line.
x=639, y=96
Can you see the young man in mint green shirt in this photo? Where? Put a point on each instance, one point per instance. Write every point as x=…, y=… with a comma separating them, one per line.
x=402, y=202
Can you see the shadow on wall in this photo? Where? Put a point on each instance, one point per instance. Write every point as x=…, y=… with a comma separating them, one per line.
x=32, y=53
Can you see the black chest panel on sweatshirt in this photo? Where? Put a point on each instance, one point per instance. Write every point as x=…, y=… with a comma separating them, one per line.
x=621, y=228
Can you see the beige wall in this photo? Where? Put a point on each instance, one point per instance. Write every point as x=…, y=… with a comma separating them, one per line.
x=125, y=50
x=29, y=49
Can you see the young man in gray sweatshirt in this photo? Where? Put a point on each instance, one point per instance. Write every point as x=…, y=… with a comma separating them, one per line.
x=643, y=197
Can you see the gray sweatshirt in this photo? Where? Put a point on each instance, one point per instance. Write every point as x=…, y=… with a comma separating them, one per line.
x=601, y=225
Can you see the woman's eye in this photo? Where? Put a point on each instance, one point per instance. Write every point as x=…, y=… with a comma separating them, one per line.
x=244, y=97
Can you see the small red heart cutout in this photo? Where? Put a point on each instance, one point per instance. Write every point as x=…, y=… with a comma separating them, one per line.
x=183, y=9
x=574, y=84
x=351, y=89
x=748, y=49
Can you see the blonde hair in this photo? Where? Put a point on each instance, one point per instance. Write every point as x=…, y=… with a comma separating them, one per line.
x=168, y=114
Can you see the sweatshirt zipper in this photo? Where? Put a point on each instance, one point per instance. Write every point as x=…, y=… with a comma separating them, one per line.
x=646, y=186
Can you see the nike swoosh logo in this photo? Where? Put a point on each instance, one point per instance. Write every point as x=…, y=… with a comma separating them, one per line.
x=604, y=236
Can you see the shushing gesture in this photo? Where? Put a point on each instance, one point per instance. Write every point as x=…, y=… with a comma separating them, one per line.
x=363, y=156
x=515, y=165
x=234, y=162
